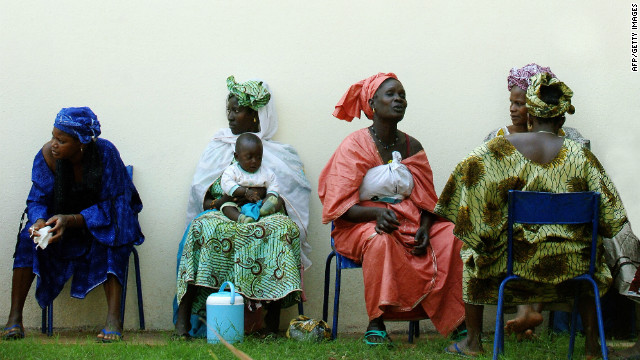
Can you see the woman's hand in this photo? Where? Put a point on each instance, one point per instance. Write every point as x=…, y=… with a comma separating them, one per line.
x=61, y=222
x=217, y=203
x=33, y=230
x=422, y=239
x=422, y=235
x=386, y=221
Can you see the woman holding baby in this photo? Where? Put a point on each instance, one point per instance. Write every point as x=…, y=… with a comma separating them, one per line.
x=263, y=255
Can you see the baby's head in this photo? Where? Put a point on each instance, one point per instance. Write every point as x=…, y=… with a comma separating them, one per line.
x=248, y=152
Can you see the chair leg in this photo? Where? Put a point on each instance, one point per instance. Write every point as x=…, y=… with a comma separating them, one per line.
x=498, y=341
x=603, y=344
x=50, y=319
x=300, y=308
x=414, y=329
x=573, y=326
x=327, y=273
x=44, y=320
x=123, y=296
x=136, y=263
x=551, y=319
x=574, y=316
x=634, y=330
x=336, y=300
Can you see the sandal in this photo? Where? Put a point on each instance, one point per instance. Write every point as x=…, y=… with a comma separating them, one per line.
x=458, y=335
x=14, y=332
x=377, y=337
x=118, y=336
x=466, y=353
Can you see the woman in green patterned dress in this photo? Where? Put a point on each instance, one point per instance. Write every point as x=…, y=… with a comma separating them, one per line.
x=475, y=199
x=264, y=259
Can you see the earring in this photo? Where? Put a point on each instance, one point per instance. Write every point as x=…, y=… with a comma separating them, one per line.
x=374, y=110
x=255, y=120
x=529, y=126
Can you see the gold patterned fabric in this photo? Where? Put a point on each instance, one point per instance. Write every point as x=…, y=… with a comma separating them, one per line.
x=537, y=107
x=476, y=199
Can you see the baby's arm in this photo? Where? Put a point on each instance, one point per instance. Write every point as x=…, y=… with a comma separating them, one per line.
x=230, y=183
x=271, y=183
x=272, y=201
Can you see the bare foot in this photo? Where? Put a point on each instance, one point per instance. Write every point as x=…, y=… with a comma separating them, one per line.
x=465, y=348
x=527, y=335
x=109, y=335
x=521, y=324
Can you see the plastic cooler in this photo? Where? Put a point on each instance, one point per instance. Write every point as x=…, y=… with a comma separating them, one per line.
x=225, y=315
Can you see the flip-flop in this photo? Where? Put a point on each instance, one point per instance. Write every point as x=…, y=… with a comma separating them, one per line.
x=104, y=333
x=460, y=352
x=377, y=337
x=14, y=332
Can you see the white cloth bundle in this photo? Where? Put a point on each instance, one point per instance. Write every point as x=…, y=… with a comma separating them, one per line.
x=389, y=183
x=42, y=239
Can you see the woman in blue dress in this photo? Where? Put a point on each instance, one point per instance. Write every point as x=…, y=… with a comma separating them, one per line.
x=82, y=191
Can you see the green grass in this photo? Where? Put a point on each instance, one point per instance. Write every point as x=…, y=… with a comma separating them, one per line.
x=159, y=346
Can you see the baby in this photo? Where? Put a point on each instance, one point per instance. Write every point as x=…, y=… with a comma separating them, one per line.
x=243, y=179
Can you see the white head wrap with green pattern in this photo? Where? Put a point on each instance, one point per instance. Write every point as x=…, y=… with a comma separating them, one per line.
x=250, y=93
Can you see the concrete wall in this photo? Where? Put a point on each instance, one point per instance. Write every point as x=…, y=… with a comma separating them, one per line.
x=154, y=73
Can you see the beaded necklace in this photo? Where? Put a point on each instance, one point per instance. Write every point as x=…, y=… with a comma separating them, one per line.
x=384, y=146
x=547, y=132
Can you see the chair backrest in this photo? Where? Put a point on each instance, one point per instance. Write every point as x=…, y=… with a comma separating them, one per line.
x=345, y=262
x=530, y=207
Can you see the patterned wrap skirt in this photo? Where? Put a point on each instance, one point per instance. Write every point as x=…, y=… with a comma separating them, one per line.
x=261, y=259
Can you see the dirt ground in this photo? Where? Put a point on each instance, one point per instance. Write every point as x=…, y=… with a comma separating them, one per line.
x=161, y=337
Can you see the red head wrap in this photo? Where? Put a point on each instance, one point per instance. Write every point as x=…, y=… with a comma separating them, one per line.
x=358, y=95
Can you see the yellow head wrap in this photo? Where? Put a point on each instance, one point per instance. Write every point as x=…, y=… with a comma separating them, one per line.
x=537, y=107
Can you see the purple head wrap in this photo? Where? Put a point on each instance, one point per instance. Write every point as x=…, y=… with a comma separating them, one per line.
x=79, y=122
x=520, y=77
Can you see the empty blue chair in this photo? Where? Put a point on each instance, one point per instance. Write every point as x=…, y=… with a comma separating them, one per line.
x=346, y=263
x=47, y=312
x=528, y=207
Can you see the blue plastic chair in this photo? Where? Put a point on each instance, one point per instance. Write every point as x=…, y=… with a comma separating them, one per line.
x=346, y=263
x=47, y=311
x=527, y=207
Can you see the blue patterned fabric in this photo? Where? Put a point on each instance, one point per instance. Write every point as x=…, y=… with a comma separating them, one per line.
x=87, y=254
x=79, y=122
x=251, y=209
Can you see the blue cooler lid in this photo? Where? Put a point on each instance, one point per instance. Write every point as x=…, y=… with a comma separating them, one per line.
x=225, y=297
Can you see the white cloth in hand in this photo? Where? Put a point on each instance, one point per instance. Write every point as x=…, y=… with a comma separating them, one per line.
x=42, y=237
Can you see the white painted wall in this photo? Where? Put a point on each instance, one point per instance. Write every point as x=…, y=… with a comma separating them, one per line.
x=154, y=72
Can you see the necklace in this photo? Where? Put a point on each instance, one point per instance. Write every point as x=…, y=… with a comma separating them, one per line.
x=384, y=146
x=547, y=132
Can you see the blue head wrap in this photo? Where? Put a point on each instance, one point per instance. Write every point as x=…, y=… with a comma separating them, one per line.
x=79, y=122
